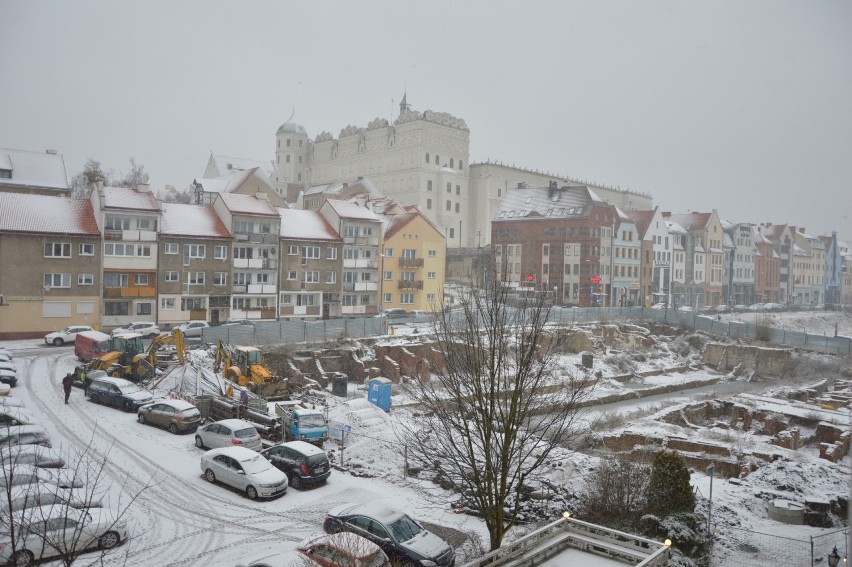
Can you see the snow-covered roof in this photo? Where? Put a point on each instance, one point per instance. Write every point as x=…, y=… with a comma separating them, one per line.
x=133, y=199
x=352, y=210
x=568, y=201
x=345, y=186
x=226, y=183
x=34, y=169
x=22, y=212
x=192, y=220
x=228, y=165
x=248, y=204
x=305, y=224
x=690, y=221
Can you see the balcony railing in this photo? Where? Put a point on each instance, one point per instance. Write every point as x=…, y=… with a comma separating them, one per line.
x=410, y=284
x=411, y=262
x=130, y=292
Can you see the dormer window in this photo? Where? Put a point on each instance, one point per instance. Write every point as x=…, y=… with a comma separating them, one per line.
x=5, y=174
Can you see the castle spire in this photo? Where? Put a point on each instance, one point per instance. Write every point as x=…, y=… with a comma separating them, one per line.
x=403, y=104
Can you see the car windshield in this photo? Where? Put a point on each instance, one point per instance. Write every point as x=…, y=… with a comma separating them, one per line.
x=129, y=389
x=255, y=465
x=312, y=420
x=404, y=529
x=244, y=433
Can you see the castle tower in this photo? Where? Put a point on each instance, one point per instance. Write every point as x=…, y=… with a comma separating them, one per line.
x=291, y=157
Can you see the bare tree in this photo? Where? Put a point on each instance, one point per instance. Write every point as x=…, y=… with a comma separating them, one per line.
x=133, y=178
x=57, y=512
x=498, y=402
x=83, y=182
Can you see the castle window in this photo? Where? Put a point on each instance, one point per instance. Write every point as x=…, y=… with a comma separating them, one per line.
x=427, y=158
x=451, y=163
x=461, y=166
x=437, y=159
x=288, y=142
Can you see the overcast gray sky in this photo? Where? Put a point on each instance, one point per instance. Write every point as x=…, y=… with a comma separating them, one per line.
x=742, y=106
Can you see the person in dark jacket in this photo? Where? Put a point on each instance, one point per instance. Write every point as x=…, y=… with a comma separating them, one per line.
x=67, y=384
x=243, y=404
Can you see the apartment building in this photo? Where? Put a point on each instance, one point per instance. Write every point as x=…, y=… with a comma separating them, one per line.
x=36, y=173
x=626, y=262
x=255, y=225
x=767, y=269
x=362, y=232
x=50, y=253
x=128, y=220
x=703, y=258
x=657, y=255
x=739, y=275
x=194, y=273
x=310, y=282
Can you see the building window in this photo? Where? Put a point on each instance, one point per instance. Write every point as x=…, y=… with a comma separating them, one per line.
x=117, y=223
x=409, y=253
x=140, y=279
x=427, y=158
x=330, y=277
x=167, y=304
x=143, y=250
x=457, y=207
x=406, y=298
x=452, y=233
x=87, y=250
x=449, y=205
x=171, y=276
x=387, y=298
x=116, y=280
x=195, y=250
x=190, y=303
x=220, y=252
x=451, y=163
x=310, y=252
x=291, y=275
x=57, y=280
x=143, y=308
x=449, y=187
x=458, y=189
x=389, y=252
x=116, y=308
x=437, y=159
x=286, y=299
x=433, y=253
x=288, y=142
x=430, y=297
x=293, y=250
x=85, y=279
x=220, y=278
x=461, y=165
x=171, y=248
x=431, y=275
x=57, y=250
x=331, y=253
x=287, y=158
x=429, y=185
x=429, y=204
x=388, y=276
x=195, y=278
x=310, y=277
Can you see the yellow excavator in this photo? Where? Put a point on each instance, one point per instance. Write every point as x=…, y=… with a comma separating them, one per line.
x=243, y=365
x=127, y=357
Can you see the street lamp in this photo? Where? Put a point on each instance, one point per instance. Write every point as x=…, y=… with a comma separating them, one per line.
x=833, y=558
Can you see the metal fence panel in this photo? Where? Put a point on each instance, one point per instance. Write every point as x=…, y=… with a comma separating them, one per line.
x=747, y=548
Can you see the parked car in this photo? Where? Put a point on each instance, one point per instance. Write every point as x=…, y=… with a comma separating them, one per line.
x=118, y=392
x=303, y=463
x=740, y=308
x=245, y=470
x=41, y=530
x=686, y=308
x=24, y=435
x=7, y=353
x=5, y=389
x=28, y=474
x=16, y=415
x=66, y=335
x=145, y=328
x=247, y=322
x=343, y=550
x=8, y=366
x=773, y=306
x=35, y=455
x=21, y=496
x=7, y=401
x=5, y=357
x=175, y=415
x=395, y=313
x=757, y=307
x=193, y=328
x=399, y=536
x=226, y=433
x=660, y=306
x=8, y=377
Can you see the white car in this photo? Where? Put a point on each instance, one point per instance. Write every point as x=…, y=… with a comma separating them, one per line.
x=45, y=531
x=245, y=470
x=27, y=474
x=35, y=455
x=16, y=415
x=66, y=335
x=5, y=357
x=24, y=435
x=227, y=433
x=9, y=402
x=147, y=329
x=193, y=328
x=8, y=366
x=23, y=496
x=6, y=353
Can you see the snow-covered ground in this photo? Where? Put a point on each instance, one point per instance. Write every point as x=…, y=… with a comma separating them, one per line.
x=182, y=520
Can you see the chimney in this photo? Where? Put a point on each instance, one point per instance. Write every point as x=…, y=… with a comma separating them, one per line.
x=143, y=188
x=51, y=152
x=262, y=196
x=345, y=185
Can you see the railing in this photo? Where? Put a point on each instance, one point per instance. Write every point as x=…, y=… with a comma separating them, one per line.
x=557, y=536
x=411, y=262
x=409, y=284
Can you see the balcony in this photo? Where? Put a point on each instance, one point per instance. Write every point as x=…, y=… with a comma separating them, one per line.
x=130, y=235
x=252, y=263
x=262, y=288
x=367, y=240
x=409, y=284
x=262, y=238
x=366, y=286
x=411, y=262
x=360, y=263
x=241, y=237
x=114, y=292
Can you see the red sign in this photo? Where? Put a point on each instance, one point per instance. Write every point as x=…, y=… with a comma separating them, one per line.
x=596, y=279
x=531, y=278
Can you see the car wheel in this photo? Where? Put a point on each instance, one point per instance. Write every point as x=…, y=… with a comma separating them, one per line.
x=210, y=475
x=58, y=342
x=251, y=492
x=198, y=442
x=296, y=482
x=141, y=418
x=173, y=428
x=21, y=558
x=109, y=540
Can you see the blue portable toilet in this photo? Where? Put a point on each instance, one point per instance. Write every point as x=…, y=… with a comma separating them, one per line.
x=379, y=393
